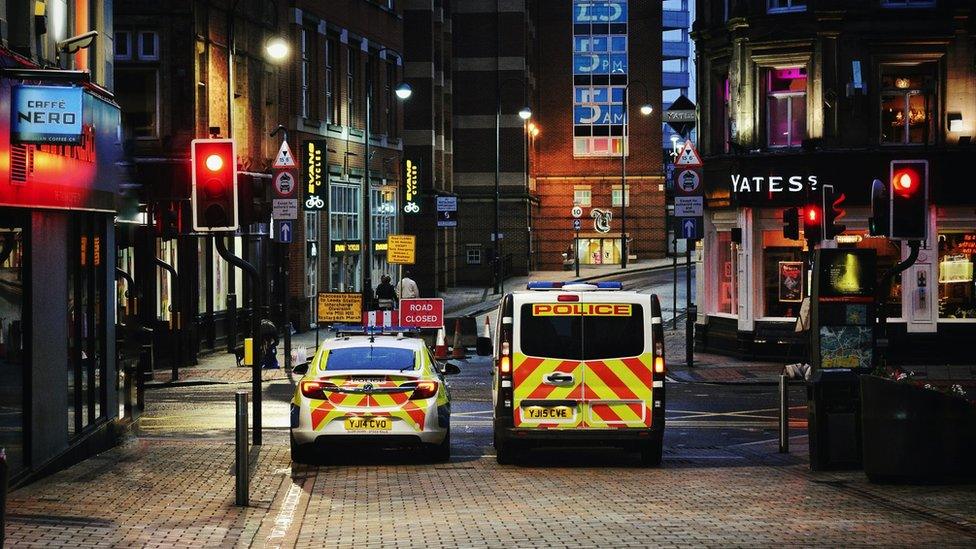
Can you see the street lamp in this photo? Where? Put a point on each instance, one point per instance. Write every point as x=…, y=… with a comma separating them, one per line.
x=277, y=49
x=645, y=109
x=403, y=91
x=524, y=113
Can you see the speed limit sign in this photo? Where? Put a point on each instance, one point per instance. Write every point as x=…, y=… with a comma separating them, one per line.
x=577, y=212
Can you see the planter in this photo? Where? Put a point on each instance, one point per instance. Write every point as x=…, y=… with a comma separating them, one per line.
x=913, y=434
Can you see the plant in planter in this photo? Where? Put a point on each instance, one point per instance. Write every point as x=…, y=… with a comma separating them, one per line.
x=915, y=431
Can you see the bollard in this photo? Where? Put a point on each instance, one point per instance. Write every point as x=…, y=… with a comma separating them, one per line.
x=784, y=414
x=240, y=449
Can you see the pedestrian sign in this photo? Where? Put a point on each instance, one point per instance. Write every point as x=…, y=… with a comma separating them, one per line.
x=284, y=158
x=688, y=157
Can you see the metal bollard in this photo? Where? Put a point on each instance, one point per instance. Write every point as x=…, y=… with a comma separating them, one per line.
x=784, y=414
x=241, y=449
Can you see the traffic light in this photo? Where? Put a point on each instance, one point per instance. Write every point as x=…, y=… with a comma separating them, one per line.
x=909, y=199
x=169, y=219
x=833, y=212
x=791, y=223
x=214, y=193
x=880, y=221
x=812, y=224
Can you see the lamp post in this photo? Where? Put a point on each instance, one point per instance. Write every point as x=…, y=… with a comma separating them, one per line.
x=524, y=113
x=403, y=92
x=645, y=110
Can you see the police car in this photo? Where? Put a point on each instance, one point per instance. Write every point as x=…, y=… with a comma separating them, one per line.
x=578, y=364
x=381, y=388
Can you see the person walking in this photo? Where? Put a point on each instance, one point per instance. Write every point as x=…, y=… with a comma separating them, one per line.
x=386, y=294
x=407, y=288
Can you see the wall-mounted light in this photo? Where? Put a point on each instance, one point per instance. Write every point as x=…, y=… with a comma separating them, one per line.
x=954, y=121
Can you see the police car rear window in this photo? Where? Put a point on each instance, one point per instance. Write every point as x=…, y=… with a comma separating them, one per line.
x=581, y=331
x=370, y=358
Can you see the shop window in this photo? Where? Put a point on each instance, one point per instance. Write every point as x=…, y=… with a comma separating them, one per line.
x=583, y=196
x=783, y=6
x=222, y=273
x=726, y=265
x=957, y=293
x=312, y=263
x=887, y=256
x=86, y=364
x=786, y=106
x=616, y=198
x=13, y=355
x=137, y=92
x=784, y=275
x=473, y=254
x=907, y=103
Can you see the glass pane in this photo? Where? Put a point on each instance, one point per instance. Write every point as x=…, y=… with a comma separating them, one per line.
x=371, y=358
x=798, y=120
x=551, y=336
x=726, y=273
x=784, y=276
x=613, y=336
x=893, y=118
x=779, y=122
x=12, y=349
x=957, y=292
x=918, y=129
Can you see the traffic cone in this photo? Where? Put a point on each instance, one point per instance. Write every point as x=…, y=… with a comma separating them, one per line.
x=440, y=350
x=458, y=350
x=484, y=340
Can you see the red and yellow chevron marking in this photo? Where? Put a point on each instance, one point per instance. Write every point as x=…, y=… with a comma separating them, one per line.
x=613, y=393
x=342, y=405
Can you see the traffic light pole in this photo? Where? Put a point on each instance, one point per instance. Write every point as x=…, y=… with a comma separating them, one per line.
x=252, y=271
x=881, y=341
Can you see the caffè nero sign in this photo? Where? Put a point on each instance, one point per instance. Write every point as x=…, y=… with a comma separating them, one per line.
x=772, y=184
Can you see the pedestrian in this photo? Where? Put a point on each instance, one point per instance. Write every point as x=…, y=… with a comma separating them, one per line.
x=386, y=293
x=407, y=288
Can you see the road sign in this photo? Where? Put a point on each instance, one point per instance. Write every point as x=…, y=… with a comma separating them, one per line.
x=577, y=212
x=577, y=224
x=447, y=211
x=688, y=182
x=689, y=227
x=284, y=208
x=401, y=249
x=340, y=307
x=284, y=158
x=681, y=115
x=688, y=157
x=285, y=183
x=689, y=206
x=422, y=313
x=283, y=231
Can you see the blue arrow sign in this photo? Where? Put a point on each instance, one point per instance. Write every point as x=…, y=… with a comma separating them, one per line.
x=284, y=232
x=689, y=228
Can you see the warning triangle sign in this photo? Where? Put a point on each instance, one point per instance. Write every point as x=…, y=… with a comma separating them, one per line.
x=688, y=156
x=284, y=158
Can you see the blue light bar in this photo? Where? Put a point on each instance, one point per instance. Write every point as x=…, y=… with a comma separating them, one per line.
x=539, y=285
x=376, y=330
x=614, y=285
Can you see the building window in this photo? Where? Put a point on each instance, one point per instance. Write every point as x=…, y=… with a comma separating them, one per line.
x=907, y=3
x=391, y=101
x=331, y=90
x=957, y=292
x=907, y=103
x=783, y=6
x=473, y=254
x=306, y=99
x=148, y=46
x=352, y=85
x=721, y=129
x=786, y=106
x=383, y=202
x=344, y=212
x=137, y=92
x=615, y=197
x=583, y=196
x=312, y=263
x=784, y=275
x=123, y=45
x=727, y=266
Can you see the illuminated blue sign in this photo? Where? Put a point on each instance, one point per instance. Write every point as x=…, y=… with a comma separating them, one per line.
x=45, y=114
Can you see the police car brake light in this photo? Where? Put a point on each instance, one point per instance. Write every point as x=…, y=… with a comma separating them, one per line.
x=567, y=297
x=540, y=285
x=316, y=389
x=424, y=389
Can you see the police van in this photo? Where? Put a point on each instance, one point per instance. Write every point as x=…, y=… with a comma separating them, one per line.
x=578, y=365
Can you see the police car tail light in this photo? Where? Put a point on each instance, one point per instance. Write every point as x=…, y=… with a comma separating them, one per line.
x=567, y=297
x=316, y=389
x=424, y=389
x=505, y=360
x=659, y=365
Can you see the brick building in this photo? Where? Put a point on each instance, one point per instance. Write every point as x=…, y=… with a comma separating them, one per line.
x=571, y=63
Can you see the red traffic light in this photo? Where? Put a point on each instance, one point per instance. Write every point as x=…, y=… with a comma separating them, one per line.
x=905, y=181
x=214, y=193
x=812, y=215
x=214, y=162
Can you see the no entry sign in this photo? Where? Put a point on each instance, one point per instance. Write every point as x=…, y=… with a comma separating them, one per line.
x=422, y=313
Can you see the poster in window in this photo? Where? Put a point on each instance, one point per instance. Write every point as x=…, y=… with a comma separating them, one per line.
x=791, y=281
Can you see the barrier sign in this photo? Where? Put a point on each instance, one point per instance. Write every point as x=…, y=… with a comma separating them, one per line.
x=401, y=249
x=340, y=307
x=422, y=313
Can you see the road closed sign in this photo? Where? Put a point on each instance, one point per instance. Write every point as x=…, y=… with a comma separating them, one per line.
x=422, y=313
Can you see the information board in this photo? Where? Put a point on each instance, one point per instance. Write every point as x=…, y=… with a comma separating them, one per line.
x=401, y=249
x=340, y=307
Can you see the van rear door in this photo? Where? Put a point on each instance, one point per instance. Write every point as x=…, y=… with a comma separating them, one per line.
x=547, y=373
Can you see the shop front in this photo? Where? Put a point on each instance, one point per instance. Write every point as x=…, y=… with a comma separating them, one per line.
x=599, y=249
x=58, y=377
x=752, y=279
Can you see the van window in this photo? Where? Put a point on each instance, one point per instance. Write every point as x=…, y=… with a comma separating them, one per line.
x=579, y=337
